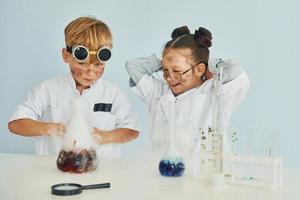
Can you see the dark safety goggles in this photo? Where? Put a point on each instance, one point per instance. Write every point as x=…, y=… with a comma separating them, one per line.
x=81, y=53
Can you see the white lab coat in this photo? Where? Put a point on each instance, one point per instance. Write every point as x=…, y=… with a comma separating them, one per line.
x=51, y=101
x=195, y=108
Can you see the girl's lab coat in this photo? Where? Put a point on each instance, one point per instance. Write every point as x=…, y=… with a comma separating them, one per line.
x=195, y=108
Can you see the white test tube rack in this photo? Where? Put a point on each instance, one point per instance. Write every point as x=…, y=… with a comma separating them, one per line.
x=241, y=169
x=253, y=170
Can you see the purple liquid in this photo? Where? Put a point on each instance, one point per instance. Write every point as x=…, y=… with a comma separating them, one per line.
x=171, y=167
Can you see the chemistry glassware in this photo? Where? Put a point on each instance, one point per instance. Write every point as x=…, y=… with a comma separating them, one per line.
x=81, y=160
x=201, y=153
x=172, y=163
x=78, y=152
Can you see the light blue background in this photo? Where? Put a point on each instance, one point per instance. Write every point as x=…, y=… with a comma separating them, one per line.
x=262, y=35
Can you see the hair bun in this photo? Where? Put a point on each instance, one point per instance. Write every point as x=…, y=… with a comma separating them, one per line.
x=203, y=37
x=177, y=32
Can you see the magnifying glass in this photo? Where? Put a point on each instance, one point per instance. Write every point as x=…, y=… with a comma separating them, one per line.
x=64, y=189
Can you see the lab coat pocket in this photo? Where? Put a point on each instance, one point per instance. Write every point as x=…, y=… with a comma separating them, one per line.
x=104, y=121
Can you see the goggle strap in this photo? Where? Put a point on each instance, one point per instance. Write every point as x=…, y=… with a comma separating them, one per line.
x=69, y=49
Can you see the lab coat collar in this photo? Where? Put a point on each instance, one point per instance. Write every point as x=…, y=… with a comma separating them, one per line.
x=185, y=94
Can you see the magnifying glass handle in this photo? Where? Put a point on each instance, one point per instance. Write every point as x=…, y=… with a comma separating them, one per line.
x=101, y=185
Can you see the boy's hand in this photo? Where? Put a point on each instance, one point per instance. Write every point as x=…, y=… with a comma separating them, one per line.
x=120, y=135
x=97, y=135
x=56, y=129
x=100, y=137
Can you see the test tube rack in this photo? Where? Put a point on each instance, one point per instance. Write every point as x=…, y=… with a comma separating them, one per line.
x=242, y=169
x=253, y=170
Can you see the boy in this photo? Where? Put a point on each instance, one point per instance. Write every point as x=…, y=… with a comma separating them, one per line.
x=47, y=107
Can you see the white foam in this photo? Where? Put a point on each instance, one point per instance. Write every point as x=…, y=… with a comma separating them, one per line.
x=79, y=130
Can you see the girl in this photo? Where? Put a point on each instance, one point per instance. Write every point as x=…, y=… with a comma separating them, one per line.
x=190, y=80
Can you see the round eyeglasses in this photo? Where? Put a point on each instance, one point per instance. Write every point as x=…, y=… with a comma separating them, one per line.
x=177, y=76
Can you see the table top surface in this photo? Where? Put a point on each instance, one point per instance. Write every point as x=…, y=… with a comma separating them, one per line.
x=31, y=177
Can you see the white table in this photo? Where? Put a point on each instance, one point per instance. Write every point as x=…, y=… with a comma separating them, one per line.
x=30, y=177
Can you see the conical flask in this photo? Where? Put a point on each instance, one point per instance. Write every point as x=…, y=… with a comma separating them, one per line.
x=78, y=152
x=172, y=163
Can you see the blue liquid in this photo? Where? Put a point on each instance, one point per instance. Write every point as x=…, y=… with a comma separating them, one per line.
x=173, y=167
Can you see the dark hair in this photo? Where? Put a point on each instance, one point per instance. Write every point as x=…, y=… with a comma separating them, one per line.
x=198, y=43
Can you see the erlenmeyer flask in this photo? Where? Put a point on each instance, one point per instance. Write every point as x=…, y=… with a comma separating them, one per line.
x=78, y=152
x=172, y=163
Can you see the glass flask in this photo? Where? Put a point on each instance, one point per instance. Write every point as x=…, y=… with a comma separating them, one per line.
x=172, y=164
x=78, y=154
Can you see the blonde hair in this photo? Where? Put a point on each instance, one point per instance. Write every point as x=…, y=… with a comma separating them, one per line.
x=89, y=32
